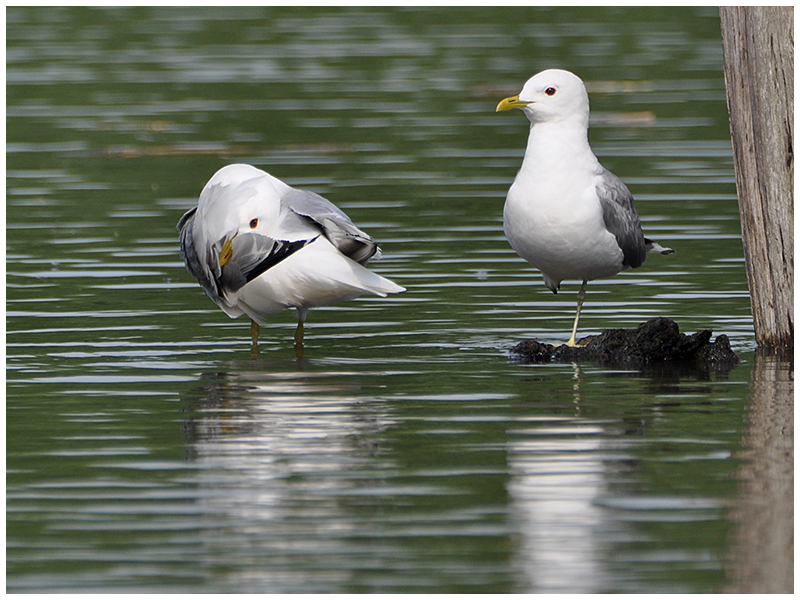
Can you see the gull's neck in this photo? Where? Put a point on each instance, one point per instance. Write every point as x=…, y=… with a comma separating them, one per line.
x=555, y=146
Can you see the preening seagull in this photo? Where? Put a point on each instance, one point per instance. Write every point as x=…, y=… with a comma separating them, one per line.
x=258, y=246
x=565, y=213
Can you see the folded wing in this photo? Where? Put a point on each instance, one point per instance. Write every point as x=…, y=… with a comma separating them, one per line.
x=251, y=255
x=304, y=209
x=621, y=218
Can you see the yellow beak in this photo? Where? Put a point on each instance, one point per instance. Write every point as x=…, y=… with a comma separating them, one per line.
x=509, y=103
x=226, y=254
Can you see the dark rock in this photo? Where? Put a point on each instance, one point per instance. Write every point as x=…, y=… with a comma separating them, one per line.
x=655, y=341
x=533, y=351
x=719, y=352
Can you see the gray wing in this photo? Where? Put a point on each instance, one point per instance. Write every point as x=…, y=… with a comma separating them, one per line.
x=194, y=264
x=621, y=218
x=332, y=222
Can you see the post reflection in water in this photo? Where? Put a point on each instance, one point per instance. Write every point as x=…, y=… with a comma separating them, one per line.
x=762, y=559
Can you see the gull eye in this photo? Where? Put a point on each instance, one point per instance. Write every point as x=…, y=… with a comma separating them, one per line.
x=551, y=91
x=253, y=223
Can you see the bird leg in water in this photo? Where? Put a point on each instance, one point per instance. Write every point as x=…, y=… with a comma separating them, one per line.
x=581, y=297
x=254, y=334
x=298, y=340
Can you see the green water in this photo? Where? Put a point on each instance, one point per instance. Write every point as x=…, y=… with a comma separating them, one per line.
x=147, y=451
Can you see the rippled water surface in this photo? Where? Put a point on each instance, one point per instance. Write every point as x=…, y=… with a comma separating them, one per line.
x=147, y=450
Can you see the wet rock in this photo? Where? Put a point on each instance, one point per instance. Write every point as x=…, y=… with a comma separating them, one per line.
x=655, y=341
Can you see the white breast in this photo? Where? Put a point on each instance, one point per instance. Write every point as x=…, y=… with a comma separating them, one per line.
x=558, y=228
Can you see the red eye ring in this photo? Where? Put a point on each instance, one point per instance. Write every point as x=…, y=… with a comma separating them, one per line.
x=551, y=91
x=253, y=223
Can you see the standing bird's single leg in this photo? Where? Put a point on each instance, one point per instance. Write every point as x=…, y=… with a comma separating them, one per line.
x=254, y=329
x=581, y=297
x=299, y=350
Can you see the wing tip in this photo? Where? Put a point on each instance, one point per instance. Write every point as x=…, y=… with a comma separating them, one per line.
x=657, y=248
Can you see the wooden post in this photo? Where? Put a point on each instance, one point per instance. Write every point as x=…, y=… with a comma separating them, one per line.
x=758, y=45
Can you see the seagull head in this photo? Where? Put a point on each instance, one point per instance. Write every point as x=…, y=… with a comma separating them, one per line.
x=238, y=199
x=552, y=95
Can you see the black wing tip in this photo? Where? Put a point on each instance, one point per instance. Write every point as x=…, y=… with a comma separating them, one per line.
x=281, y=250
x=656, y=247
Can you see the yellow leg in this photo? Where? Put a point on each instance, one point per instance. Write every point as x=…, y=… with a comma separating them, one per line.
x=299, y=350
x=254, y=329
x=581, y=297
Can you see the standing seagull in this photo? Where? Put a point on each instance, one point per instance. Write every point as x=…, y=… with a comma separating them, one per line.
x=258, y=246
x=565, y=213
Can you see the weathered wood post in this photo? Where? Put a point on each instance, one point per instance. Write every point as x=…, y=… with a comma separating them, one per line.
x=758, y=44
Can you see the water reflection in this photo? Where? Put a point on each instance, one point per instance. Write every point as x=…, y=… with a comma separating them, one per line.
x=310, y=476
x=311, y=479
x=762, y=560
x=284, y=461
x=557, y=477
